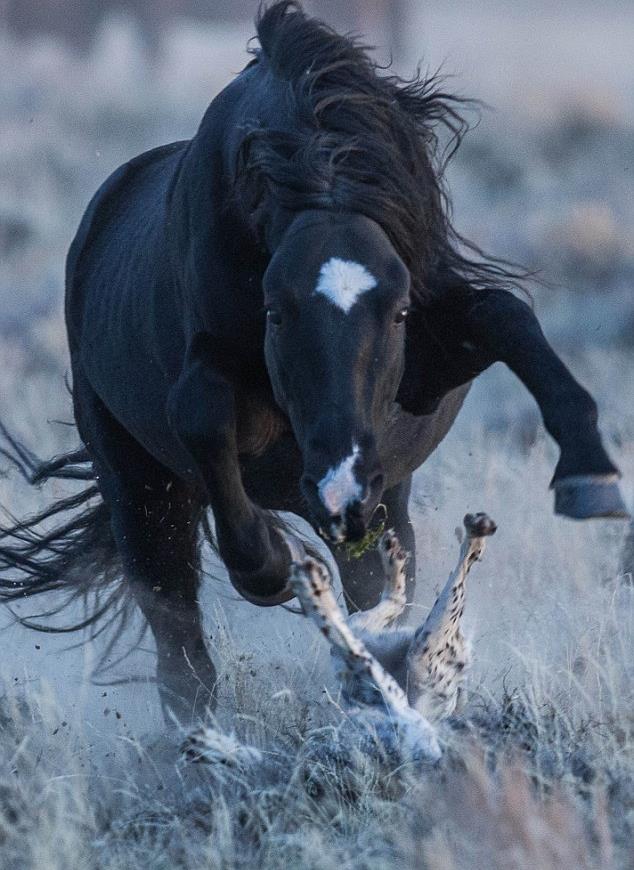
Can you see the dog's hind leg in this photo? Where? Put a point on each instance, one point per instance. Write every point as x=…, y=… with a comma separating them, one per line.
x=363, y=579
x=394, y=598
x=438, y=654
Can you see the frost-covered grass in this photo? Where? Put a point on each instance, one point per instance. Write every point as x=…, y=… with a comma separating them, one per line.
x=523, y=784
x=539, y=771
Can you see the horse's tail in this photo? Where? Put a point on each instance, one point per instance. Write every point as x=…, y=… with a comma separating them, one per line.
x=67, y=547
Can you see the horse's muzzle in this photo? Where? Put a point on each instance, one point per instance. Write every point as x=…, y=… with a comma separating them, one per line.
x=350, y=522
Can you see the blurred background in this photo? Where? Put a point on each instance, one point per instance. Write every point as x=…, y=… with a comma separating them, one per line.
x=545, y=178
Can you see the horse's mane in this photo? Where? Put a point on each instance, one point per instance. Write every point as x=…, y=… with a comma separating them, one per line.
x=364, y=142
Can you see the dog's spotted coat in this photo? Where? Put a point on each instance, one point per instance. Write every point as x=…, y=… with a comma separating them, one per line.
x=415, y=674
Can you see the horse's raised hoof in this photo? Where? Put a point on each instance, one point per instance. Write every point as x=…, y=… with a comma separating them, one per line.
x=479, y=525
x=588, y=496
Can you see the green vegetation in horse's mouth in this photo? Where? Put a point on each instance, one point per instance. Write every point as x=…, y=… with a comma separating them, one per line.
x=357, y=549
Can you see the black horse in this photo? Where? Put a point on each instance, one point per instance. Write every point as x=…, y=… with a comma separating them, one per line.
x=277, y=315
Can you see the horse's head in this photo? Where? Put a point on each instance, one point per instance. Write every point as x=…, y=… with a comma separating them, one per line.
x=336, y=295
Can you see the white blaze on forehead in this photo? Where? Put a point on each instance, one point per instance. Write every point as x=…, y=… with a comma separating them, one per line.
x=343, y=281
x=339, y=487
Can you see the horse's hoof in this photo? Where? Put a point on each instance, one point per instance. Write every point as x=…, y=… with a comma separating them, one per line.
x=257, y=587
x=587, y=496
x=248, y=588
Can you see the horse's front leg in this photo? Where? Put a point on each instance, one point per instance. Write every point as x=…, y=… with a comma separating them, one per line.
x=202, y=415
x=585, y=480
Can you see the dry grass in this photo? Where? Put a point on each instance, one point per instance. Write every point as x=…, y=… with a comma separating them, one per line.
x=519, y=787
x=538, y=772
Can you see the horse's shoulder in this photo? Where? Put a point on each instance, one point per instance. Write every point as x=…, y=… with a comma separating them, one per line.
x=121, y=178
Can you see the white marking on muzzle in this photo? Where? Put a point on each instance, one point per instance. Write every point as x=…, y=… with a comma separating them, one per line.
x=339, y=487
x=343, y=281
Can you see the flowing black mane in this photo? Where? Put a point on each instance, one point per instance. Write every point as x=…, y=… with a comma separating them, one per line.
x=364, y=142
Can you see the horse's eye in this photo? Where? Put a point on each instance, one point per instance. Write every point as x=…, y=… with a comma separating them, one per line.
x=273, y=316
x=401, y=315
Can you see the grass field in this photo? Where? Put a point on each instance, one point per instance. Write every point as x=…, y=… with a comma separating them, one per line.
x=538, y=771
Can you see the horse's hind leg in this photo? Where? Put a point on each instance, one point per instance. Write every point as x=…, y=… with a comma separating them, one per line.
x=156, y=533
x=154, y=520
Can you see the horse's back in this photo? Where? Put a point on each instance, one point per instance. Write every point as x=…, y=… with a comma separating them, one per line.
x=121, y=305
x=127, y=209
